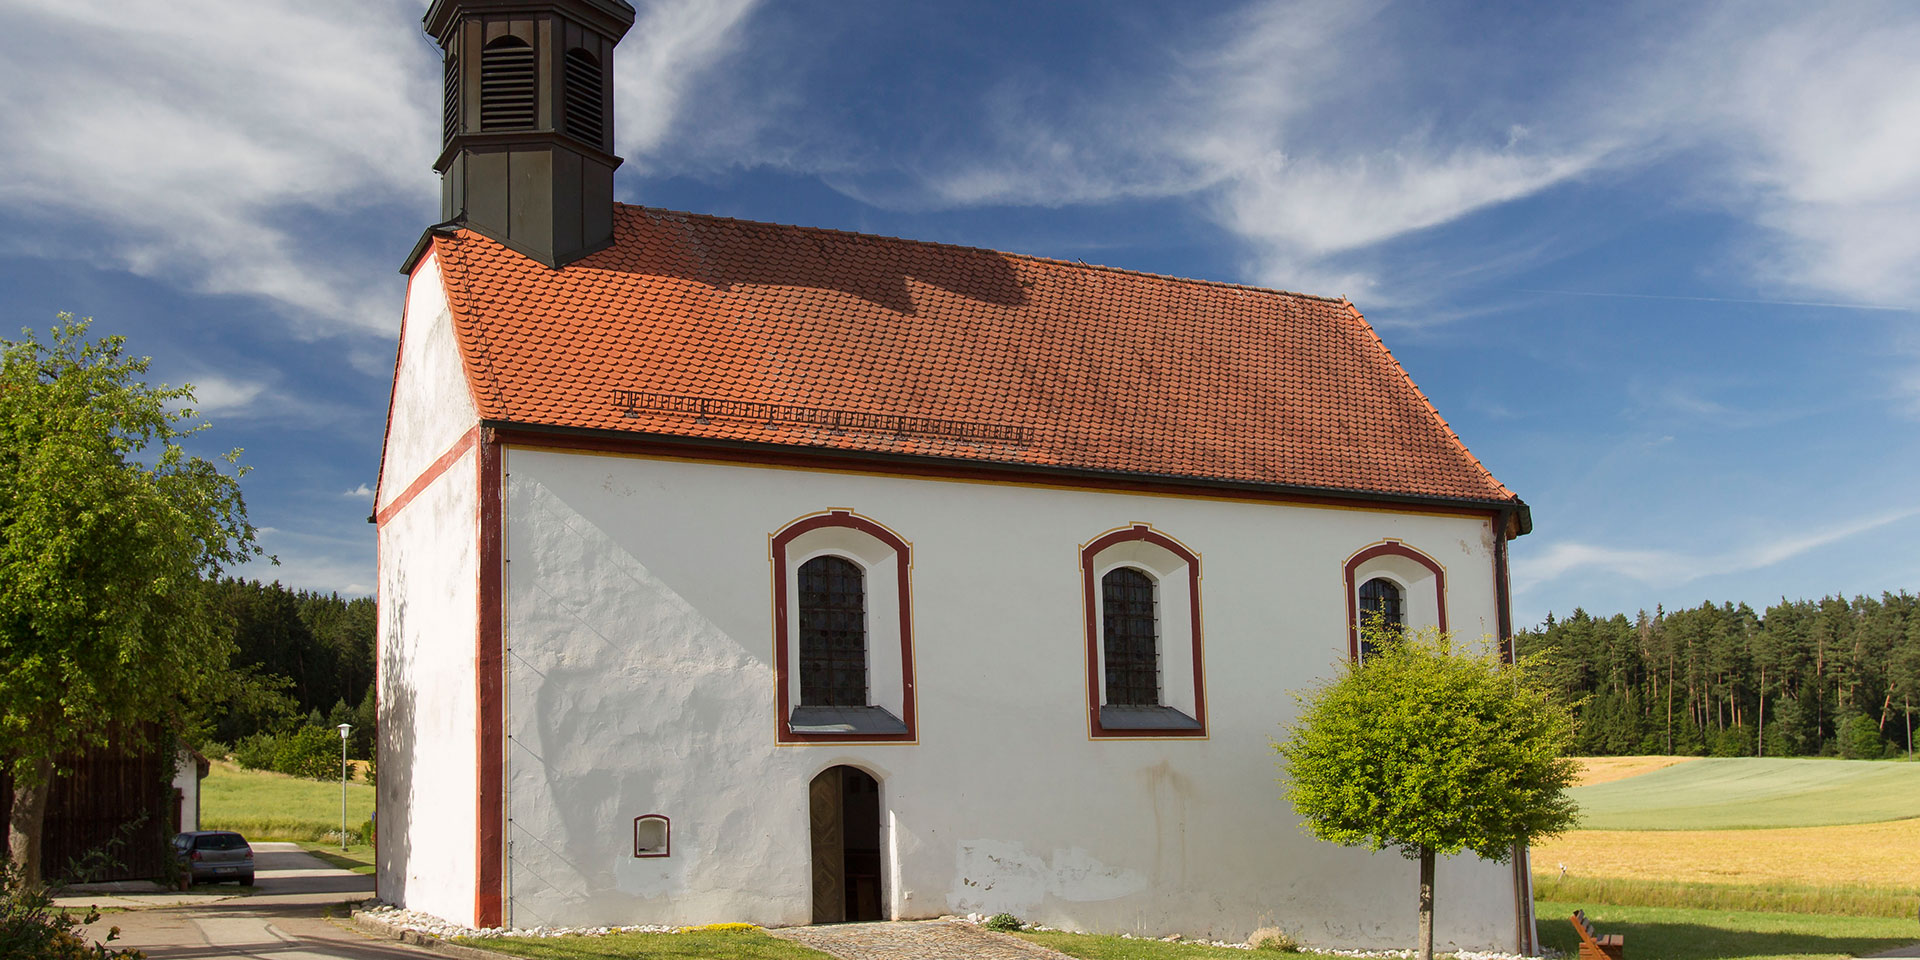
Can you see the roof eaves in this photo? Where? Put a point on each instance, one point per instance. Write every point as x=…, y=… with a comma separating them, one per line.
x=1199, y=484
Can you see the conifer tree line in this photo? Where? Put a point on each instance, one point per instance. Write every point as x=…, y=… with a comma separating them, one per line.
x=1831, y=677
x=300, y=658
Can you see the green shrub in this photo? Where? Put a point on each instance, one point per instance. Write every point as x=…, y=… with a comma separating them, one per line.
x=1735, y=741
x=307, y=751
x=1003, y=922
x=310, y=752
x=1860, y=738
x=30, y=925
x=256, y=752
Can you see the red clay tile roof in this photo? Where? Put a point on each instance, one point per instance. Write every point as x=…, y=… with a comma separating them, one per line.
x=819, y=338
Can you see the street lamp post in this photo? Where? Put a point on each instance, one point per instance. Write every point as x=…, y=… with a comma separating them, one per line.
x=344, y=728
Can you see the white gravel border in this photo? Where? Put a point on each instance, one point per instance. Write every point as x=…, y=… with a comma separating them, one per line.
x=447, y=930
x=433, y=926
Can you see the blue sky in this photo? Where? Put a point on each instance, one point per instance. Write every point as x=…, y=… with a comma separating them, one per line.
x=1658, y=264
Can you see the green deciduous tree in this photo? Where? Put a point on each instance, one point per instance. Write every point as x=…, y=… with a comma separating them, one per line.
x=1432, y=747
x=107, y=528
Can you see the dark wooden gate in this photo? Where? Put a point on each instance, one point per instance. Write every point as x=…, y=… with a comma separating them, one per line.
x=843, y=808
x=109, y=816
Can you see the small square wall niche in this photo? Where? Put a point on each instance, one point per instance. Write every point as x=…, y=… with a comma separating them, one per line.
x=651, y=836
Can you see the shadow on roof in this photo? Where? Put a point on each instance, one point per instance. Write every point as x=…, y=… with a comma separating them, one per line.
x=723, y=254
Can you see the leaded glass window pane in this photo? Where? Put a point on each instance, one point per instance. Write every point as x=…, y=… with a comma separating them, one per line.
x=833, y=633
x=1131, y=629
x=1381, y=596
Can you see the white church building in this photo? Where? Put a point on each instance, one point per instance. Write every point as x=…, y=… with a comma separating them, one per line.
x=740, y=572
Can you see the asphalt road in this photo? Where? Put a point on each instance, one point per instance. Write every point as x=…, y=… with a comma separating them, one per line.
x=285, y=920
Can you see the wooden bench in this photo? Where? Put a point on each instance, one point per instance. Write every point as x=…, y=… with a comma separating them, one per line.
x=1595, y=947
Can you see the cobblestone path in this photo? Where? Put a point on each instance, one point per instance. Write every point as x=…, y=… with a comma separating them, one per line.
x=914, y=940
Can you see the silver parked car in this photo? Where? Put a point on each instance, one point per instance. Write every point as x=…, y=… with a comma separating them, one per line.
x=214, y=856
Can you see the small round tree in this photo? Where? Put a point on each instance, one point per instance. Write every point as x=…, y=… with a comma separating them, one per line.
x=1431, y=747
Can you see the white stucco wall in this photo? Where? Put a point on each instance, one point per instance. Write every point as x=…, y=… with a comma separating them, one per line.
x=425, y=795
x=432, y=406
x=639, y=634
x=186, y=779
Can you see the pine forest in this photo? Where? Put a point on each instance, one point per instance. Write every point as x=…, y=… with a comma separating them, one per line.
x=1803, y=678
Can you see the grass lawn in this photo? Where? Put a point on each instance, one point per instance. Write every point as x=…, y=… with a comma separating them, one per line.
x=358, y=857
x=1671, y=933
x=1753, y=793
x=274, y=806
x=719, y=944
x=1847, y=901
x=1089, y=946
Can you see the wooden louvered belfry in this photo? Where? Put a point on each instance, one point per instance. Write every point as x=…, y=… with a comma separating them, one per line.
x=527, y=121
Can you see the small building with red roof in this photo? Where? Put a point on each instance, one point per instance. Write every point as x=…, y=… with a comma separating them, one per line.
x=732, y=571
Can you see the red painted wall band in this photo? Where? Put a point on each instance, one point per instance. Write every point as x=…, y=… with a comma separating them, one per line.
x=903, y=563
x=1391, y=548
x=427, y=477
x=1090, y=596
x=489, y=688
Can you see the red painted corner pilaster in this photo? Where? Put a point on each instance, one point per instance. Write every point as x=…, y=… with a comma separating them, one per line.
x=489, y=681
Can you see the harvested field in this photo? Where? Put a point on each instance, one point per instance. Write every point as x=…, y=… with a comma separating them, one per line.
x=1867, y=854
x=1608, y=769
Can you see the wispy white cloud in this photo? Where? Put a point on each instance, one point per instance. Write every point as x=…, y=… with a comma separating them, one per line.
x=672, y=46
x=361, y=492
x=1241, y=120
x=1671, y=567
x=217, y=395
x=218, y=146
x=1802, y=118
x=200, y=136
x=1295, y=125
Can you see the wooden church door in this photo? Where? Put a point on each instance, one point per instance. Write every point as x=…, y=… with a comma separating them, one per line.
x=843, y=806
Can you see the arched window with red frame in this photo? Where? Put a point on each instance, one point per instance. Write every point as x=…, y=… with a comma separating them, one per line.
x=1145, y=670
x=842, y=631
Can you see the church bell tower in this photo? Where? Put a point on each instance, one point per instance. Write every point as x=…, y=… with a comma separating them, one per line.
x=527, y=122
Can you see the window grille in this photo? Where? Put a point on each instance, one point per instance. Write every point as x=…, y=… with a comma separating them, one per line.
x=833, y=633
x=1132, y=633
x=1381, y=596
x=450, y=109
x=506, y=85
x=585, y=111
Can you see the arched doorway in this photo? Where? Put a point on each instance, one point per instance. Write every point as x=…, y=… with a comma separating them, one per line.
x=843, y=806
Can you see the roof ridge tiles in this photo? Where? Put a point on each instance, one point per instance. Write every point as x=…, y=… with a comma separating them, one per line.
x=682, y=215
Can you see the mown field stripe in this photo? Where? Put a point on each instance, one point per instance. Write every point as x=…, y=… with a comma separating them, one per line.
x=1753, y=793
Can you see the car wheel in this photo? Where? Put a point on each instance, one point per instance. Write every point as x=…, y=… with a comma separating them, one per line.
x=246, y=879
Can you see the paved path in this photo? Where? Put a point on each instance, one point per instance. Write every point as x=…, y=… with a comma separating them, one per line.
x=914, y=940
x=285, y=919
x=1908, y=951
